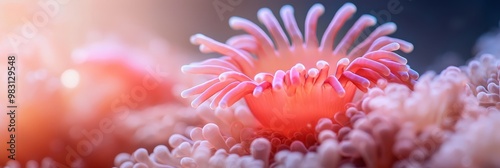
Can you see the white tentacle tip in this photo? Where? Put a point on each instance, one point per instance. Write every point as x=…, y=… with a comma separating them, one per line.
x=257, y=91
x=391, y=26
x=185, y=68
x=263, y=12
x=194, y=38
x=194, y=104
x=321, y=64
x=408, y=47
x=204, y=49
x=300, y=67
x=260, y=144
x=287, y=9
x=259, y=77
x=343, y=61
x=184, y=94
x=341, y=93
x=371, y=19
x=391, y=47
x=349, y=6
x=222, y=77
x=318, y=7
x=234, y=20
x=313, y=72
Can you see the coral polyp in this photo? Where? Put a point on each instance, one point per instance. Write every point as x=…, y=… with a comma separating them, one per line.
x=290, y=81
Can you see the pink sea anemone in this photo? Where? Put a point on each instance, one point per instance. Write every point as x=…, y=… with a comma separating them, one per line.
x=226, y=130
x=484, y=75
x=290, y=82
x=403, y=127
x=228, y=140
x=476, y=143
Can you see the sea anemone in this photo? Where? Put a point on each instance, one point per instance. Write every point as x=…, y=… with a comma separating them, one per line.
x=228, y=140
x=46, y=162
x=484, y=76
x=290, y=83
x=404, y=127
x=226, y=130
x=476, y=143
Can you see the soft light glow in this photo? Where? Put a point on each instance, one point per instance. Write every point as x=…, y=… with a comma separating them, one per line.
x=70, y=78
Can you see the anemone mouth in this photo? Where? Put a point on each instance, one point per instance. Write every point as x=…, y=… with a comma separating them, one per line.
x=298, y=76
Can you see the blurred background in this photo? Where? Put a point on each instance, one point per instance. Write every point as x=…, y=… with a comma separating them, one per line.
x=81, y=63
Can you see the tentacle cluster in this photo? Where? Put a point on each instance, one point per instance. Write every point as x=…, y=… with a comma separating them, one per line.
x=484, y=75
x=46, y=162
x=298, y=77
x=220, y=145
x=142, y=127
x=475, y=143
x=405, y=128
x=228, y=130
